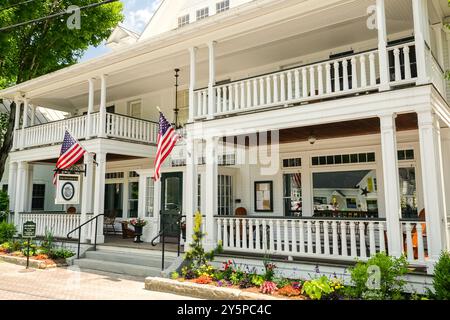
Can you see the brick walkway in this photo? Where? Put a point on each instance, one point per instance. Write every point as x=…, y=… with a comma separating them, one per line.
x=71, y=284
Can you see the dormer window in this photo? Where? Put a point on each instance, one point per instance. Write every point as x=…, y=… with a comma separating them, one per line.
x=202, y=13
x=183, y=20
x=222, y=6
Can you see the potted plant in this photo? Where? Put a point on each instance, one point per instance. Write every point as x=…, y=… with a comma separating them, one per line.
x=138, y=225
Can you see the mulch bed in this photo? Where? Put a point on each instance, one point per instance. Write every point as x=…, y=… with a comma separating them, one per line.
x=40, y=261
x=251, y=289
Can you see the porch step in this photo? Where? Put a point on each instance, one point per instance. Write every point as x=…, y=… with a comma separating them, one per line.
x=146, y=260
x=117, y=267
x=133, y=262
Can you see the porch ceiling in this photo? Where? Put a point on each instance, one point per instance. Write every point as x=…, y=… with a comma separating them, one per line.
x=361, y=127
x=110, y=157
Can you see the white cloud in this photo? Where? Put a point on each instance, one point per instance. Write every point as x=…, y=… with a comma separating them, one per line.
x=137, y=16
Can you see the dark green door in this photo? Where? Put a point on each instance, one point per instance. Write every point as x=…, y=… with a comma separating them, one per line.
x=171, y=201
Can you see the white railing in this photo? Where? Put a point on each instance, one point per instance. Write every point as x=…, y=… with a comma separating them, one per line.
x=401, y=69
x=119, y=126
x=437, y=74
x=330, y=78
x=52, y=132
x=415, y=241
x=342, y=76
x=337, y=239
x=59, y=224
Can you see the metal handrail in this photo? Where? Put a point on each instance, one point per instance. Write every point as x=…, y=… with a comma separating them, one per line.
x=79, y=233
x=162, y=233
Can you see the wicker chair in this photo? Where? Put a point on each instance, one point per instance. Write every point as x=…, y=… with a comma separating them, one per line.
x=109, y=222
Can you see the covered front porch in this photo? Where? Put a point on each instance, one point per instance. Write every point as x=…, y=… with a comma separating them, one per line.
x=335, y=190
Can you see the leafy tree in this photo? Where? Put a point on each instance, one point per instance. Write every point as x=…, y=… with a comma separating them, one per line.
x=39, y=48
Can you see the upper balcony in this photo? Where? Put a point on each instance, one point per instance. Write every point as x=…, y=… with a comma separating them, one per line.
x=87, y=127
x=352, y=74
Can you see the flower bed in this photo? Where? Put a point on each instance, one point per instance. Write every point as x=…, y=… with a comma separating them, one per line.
x=42, y=256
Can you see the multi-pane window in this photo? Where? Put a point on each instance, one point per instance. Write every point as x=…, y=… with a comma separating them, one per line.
x=183, y=20
x=345, y=194
x=114, y=175
x=202, y=13
x=222, y=6
x=133, y=198
x=38, y=200
x=133, y=174
x=408, y=192
x=292, y=194
x=405, y=154
x=149, y=197
x=292, y=163
x=343, y=159
x=228, y=159
x=225, y=195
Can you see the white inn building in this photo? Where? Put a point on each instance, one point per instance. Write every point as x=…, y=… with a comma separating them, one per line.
x=313, y=130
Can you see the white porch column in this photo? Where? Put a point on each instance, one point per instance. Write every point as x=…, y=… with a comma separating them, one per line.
x=210, y=191
x=33, y=115
x=90, y=109
x=99, y=196
x=24, y=121
x=102, y=122
x=193, y=76
x=20, y=191
x=391, y=183
x=307, y=189
x=155, y=224
x=12, y=182
x=29, y=191
x=191, y=187
x=382, y=43
x=433, y=184
x=87, y=192
x=212, y=80
x=422, y=38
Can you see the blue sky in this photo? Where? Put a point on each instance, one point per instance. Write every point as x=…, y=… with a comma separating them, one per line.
x=137, y=14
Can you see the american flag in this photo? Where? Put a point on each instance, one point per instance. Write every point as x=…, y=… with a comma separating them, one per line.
x=297, y=179
x=167, y=138
x=71, y=152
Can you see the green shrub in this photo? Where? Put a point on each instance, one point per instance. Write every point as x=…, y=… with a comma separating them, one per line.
x=47, y=243
x=61, y=253
x=175, y=275
x=33, y=248
x=7, y=231
x=385, y=285
x=4, y=201
x=257, y=280
x=197, y=258
x=317, y=288
x=441, y=280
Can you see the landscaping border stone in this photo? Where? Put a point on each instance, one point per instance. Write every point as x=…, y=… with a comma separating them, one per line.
x=201, y=291
x=36, y=264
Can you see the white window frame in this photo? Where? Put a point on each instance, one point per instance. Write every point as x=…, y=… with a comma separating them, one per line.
x=183, y=20
x=222, y=6
x=130, y=105
x=202, y=13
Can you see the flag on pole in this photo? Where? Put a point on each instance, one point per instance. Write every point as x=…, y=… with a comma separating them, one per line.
x=71, y=152
x=167, y=139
